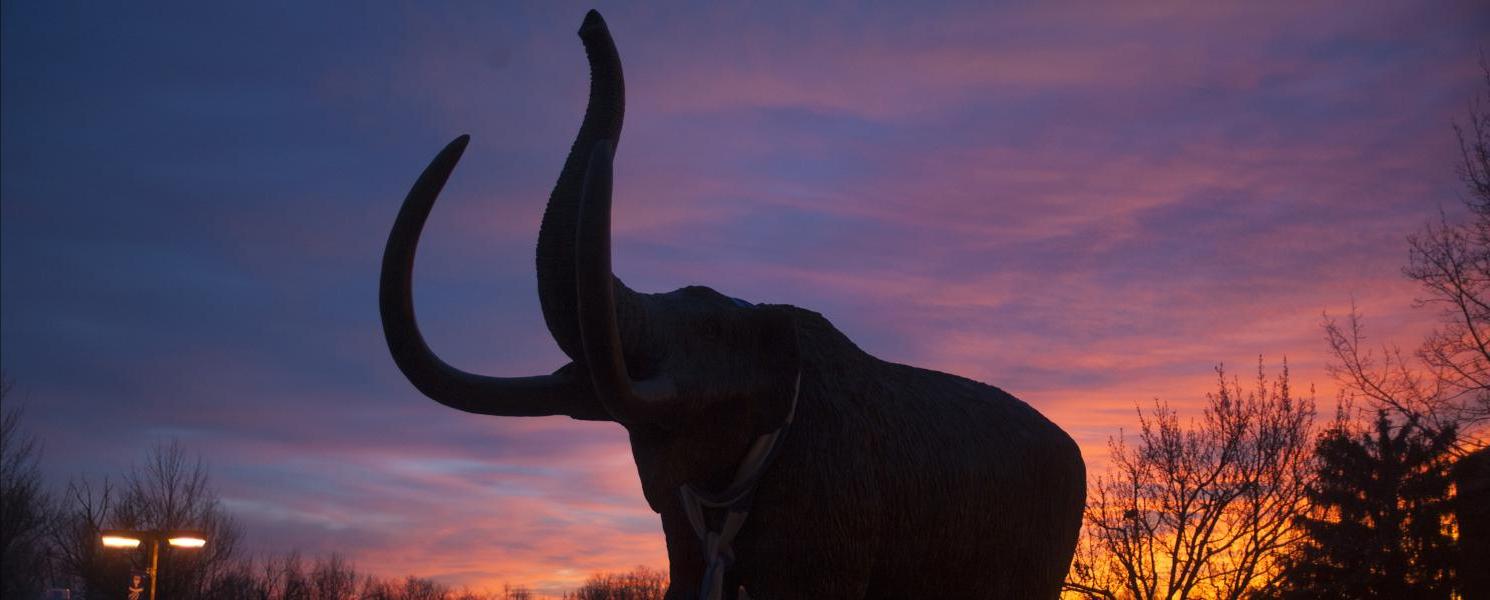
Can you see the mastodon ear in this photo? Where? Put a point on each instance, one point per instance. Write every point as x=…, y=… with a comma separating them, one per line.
x=779, y=372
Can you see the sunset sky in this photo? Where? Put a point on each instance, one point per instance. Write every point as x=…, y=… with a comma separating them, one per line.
x=1088, y=205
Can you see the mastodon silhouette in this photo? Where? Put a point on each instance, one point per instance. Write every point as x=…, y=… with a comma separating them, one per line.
x=784, y=461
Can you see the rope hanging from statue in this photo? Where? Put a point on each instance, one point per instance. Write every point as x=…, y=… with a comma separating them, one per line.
x=735, y=501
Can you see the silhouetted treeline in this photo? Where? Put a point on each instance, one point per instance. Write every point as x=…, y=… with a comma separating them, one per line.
x=170, y=490
x=333, y=578
x=1246, y=502
x=1388, y=502
x=53, y=543
x=638, y=584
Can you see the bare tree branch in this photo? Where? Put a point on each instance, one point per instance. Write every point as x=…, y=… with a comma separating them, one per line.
x=1200, y=508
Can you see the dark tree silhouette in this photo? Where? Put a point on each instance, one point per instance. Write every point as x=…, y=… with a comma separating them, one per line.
x=81, y=564
x=416, y=588
x=1445, y=385
x=333, y=578
x=1204, y=509
x=640, y=583
x=285, y=578
x=241, y=581
x=1379, y=520
x=1446, y=382
x=169, y=491
x=1452, y=263
x=289, y=577
x=25, y=508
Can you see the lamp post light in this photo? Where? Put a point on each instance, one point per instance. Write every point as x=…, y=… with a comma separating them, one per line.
x=128, y=538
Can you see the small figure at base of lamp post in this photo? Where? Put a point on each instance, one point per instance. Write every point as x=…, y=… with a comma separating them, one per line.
x=128, y=538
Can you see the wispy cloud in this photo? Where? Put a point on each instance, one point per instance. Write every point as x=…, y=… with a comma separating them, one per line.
x=1088, y=205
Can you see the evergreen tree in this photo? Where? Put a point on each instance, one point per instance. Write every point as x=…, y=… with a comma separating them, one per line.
x=1378, y=527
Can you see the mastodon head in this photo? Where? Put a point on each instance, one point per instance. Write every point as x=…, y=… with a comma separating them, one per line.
x=637, y=358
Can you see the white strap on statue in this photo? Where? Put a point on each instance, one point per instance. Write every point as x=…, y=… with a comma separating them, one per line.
x=719, y=553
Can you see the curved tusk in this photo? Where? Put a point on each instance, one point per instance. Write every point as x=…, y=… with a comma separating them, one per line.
x=507, y=396
x=595, y=286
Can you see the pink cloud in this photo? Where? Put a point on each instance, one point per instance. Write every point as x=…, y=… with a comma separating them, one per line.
x=1088, y=206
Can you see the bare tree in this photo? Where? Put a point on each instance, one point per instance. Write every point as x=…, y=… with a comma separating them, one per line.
x=169, y=491
x=25, y=508
x=86, y=509
x=516, y=593
x=378, y=589
x=288, y=578
x=333, y=578
x=640, y=583
x=1452, y=263
x=1446, y=382
x=284, y=578
x=418, y=588
x=410, y=588
x=243, y=580
x=1200, y=508
x=1385, y=377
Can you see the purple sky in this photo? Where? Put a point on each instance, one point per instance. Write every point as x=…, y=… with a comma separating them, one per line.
x=1089, y=206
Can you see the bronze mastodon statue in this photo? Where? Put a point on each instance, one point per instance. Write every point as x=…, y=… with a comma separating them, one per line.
x=785, y=462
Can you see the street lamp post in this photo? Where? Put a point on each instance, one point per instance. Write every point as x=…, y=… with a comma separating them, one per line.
x=128, y=538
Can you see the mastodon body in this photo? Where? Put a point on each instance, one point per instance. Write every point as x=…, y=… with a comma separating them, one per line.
x=890, y=482
x=899, y=482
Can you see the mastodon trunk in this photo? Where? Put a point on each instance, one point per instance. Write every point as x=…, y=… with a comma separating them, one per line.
x=603, y=115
